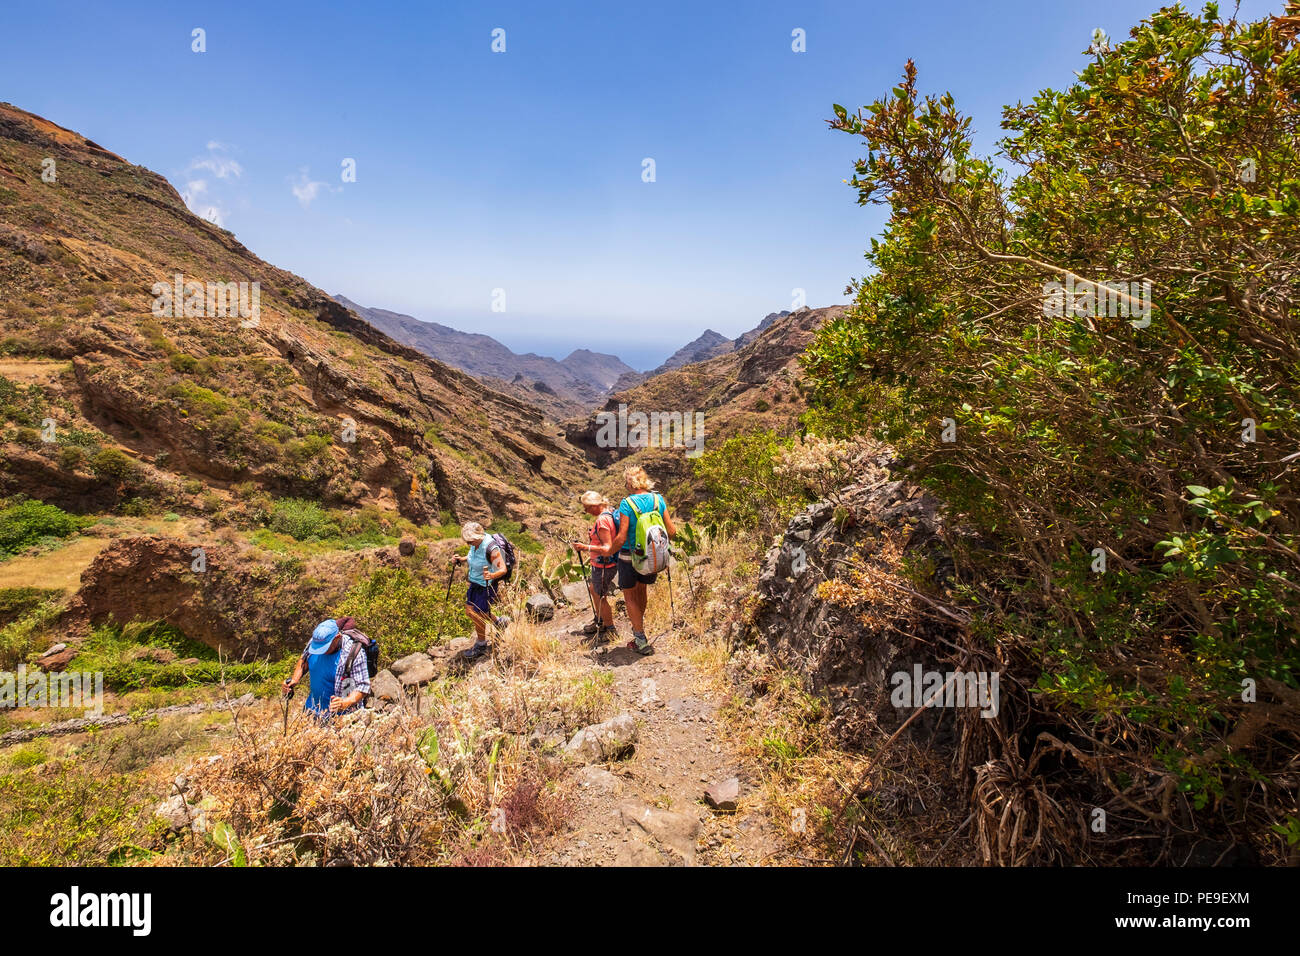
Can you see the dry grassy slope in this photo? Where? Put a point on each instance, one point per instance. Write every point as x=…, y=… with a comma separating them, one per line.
x=78, y=259
x=754, y=387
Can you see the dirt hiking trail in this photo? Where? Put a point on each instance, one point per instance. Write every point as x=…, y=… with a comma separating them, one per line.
x=648, y=809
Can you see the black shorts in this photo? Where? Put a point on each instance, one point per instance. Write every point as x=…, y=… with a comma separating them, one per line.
x=481, y=598
x=602, y=579
x=629, y=577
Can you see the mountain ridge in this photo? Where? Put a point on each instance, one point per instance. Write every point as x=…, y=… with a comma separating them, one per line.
x=575, y=383
x=300, y=399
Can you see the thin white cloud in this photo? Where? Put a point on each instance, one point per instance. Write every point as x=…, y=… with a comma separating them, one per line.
x=220, y=166
x=306, y=189
x=205, y=195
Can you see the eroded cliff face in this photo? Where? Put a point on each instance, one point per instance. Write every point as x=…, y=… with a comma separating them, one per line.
x=243, y=602
x=816, y=615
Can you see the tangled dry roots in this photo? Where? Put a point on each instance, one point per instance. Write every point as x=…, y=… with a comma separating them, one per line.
x=1016, y=821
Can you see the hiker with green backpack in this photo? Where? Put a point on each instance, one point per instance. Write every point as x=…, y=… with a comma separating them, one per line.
x=491, y=558
x=644, y=531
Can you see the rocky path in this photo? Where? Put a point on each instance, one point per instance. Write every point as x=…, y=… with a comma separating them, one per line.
x=649, y=808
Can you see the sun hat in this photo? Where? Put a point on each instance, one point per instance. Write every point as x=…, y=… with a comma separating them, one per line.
x=472, y=532
x=593, y=498
x=322, y=637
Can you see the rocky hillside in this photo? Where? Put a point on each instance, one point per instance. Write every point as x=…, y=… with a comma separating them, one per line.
x=565, y=386
x=755, y=386
x=710, y=344
x=115, y=387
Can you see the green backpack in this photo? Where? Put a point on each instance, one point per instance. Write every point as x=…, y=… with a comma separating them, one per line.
x=650, y=552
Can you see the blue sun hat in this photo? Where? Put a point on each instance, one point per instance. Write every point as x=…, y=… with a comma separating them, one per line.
x=322, y=637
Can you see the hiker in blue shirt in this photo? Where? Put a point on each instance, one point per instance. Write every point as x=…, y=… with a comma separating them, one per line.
x=640, y=498
x=334, y=687
x=487, y=566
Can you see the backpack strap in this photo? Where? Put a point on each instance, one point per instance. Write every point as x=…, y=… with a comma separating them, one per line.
x=357, y=648
x=631, y=499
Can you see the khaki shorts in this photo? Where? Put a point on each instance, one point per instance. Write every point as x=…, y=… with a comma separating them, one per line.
x=602, y=579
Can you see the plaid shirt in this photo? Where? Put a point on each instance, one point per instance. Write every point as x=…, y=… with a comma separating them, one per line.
x=360, y=673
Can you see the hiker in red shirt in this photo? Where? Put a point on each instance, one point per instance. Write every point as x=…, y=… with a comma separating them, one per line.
x=604, y=565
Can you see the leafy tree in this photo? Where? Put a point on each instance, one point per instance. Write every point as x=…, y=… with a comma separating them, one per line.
x=1165, y=437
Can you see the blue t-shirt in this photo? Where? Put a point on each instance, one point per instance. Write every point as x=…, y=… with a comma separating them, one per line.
x=645, y=500
x=480, y=559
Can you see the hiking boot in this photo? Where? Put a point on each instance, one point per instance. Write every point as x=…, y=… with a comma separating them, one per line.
x=478, y=650
x=601, y=636
x=592, y=627
x=640, y=644
x=501, y=620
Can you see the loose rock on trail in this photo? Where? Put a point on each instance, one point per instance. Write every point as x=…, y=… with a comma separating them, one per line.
x=649, y=808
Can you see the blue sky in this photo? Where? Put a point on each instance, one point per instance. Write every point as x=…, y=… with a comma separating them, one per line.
x=522, y=170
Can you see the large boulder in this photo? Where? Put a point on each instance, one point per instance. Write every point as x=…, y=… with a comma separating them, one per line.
x=575, y=592
x=607, y=741
x=723, y=795
x=225, y=605
x=540, y=607
x=636, y=853
x=676, y=831
x=386, y=688
x=414, y=669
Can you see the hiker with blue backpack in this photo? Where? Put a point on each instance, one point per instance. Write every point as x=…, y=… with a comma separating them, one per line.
x=644, y=532
x=339, y=663
x=490, y=560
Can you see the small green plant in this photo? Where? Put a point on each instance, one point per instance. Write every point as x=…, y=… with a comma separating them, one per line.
x=555, y=573
x=402, y=613
x=26, y=523
x=111, y=464
x=303, y=520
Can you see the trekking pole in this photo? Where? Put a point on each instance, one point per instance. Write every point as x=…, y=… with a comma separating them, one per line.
x=690, y=581
x=672, y=608
x=588, y=582
x=288, y=696
x=447, y=597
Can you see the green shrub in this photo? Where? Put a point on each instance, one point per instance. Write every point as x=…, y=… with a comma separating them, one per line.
x=303, y=450
x=116, y=650
x=20, y=404
x=303, y=520
x=27, y=633
x=516, y=535
x=71, y=457
x=24, y=524
x=1117, y=431
x=75, y=816
x=112, y=464
x=18, y=602
x=402, y=613
x=183, y=362
x=744, y=492
x=200, y=402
